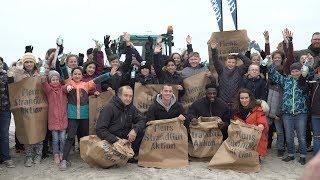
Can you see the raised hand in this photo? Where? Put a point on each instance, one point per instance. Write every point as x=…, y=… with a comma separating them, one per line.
x=126, y=37
x=59, y=41
x=98, y=44
x=106, y=40
x=157, y=49
x=188, y=39
x=266, y=36
x=213, y=44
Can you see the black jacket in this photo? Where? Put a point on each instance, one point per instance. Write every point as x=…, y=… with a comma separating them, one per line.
x=117, y=120
x=144, y=80
x=203, y=107
x=157, y=112
x=258, y=86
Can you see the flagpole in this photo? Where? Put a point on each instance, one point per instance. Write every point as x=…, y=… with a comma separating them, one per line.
x=236, y=3
x=221, y=15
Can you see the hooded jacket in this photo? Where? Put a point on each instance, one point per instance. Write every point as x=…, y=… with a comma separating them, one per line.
x=158, y=110
x=116, y=120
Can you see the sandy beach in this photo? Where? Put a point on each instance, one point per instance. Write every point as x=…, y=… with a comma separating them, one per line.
x=272, y=168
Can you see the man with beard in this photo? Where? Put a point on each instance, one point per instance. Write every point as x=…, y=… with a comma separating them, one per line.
x=313, y=50
x=210, y=106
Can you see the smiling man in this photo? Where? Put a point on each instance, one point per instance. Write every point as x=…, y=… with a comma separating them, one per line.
x=210, y=106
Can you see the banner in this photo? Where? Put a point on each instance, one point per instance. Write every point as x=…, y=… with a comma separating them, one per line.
x=217, y=8
x=229, y=42
x=194, y=89
x=29, y=106
x=206, y=137
x=164, y=145
x=238, y=151
x=96, y=104
x=234, y=12
x=144, y=95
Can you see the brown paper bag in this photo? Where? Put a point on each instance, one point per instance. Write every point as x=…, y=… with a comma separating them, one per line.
x=238, y=151
x=194, y=89
x=28, y=103
x=96, y=104
x=206, y=137
x=144, y=95
x=229, y=42
x=100, y=153
x=165, y=145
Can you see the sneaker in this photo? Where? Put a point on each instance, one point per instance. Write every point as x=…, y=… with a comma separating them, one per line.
x=302, y=160
x=57, y=158
x=61, y=157
x=63, y=165
x=9, y=163
x=44, y=156
x=28, y=162
x=288, y=158
x=37, y=159
x=280, y=153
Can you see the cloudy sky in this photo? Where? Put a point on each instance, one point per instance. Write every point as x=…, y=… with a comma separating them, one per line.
x=78, y=21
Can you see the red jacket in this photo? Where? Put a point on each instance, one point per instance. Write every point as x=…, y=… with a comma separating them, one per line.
x=57, y=108
x=256, y=117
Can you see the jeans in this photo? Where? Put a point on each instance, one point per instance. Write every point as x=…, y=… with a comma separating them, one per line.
x=58, y=139
x=280, y=133
x=316, y=134
x=296, y=123
x=73, y=125
x=5, y=118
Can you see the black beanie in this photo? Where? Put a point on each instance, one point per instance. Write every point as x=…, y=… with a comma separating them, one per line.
x=296, y=66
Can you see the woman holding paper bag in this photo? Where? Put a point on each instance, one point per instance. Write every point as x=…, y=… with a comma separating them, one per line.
x=248, y=110
x=29, y=69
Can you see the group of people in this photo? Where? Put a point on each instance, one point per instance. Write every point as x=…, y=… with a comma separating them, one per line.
x=278, y=89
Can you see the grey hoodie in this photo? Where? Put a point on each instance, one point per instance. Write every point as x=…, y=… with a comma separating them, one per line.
x=172, y=101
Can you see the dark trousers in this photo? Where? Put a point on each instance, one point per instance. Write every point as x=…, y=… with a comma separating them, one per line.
x=5, y=118
x=136, y=143
x=74, y=125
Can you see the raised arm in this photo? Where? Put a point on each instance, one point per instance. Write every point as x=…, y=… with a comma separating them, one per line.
x=215, y=57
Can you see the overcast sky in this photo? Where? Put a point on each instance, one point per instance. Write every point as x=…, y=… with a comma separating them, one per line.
x=36, y=22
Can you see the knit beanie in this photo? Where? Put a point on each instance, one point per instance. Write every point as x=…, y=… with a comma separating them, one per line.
x=296, y=66
x=53, y=73
x=29, y=57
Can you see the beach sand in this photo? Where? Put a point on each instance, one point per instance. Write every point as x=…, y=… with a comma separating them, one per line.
x=272, y=168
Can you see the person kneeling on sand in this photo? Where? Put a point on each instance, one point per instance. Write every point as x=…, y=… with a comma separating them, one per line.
x=120, y=120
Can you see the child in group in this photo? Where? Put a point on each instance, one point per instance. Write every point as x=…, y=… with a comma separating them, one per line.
x=78, y=106
x=33, y=152
x=57, y=112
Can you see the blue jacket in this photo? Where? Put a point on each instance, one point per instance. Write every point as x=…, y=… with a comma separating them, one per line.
x=294, y=94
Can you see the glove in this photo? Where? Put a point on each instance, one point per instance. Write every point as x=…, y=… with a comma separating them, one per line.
x=256, y=46
x=106, y=41
x=59, y=41
x=80, y=56
x=29, y=49
x=251, y=44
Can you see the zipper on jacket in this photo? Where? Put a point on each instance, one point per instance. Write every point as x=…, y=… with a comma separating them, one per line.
x=293, y=96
